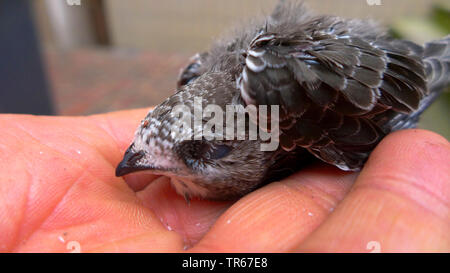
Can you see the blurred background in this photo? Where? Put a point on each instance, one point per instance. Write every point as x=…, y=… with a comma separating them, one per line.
x=79, y=57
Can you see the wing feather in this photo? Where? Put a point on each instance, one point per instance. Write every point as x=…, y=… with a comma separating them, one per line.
x=333, y=90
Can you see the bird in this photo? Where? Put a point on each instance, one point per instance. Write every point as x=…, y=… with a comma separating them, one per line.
x=340, y=85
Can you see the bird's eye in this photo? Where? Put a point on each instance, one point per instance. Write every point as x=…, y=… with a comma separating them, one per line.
x=219, y=151
x=196, y=152
x=209, y=151
x=190, y=73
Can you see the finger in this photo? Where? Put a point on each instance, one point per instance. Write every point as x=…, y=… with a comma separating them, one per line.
x=58, y=186
x=120, y=127
x=400, y=202
x=191, y=221
x=280, y=215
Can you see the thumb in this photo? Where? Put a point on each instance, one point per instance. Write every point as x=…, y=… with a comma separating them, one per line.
x=400, y=201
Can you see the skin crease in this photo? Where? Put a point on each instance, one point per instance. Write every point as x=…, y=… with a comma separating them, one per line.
x=58, y=185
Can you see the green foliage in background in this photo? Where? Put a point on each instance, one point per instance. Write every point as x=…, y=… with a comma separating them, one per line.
x=440, y=16
x=421, y=30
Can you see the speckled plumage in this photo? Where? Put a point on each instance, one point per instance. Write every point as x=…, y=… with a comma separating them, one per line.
x=341, y=85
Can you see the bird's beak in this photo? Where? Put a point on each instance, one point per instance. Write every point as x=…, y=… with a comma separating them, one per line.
x=130, y=163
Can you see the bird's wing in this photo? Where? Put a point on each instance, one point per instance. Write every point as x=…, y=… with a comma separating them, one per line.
x=193, y=70
x=333, y=92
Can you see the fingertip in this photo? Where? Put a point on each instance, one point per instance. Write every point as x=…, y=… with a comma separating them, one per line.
x=131, y=114
x=418, y=158
x=400, y=199
x=412, y=140
x=121, y=125
x=278, y=216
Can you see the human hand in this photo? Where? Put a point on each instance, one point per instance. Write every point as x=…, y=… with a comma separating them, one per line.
x=58, y=193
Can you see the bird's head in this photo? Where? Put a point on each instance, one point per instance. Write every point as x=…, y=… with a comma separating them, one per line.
x=211, y=169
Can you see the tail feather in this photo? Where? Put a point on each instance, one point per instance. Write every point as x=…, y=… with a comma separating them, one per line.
x=437, y=64
x=436, y=57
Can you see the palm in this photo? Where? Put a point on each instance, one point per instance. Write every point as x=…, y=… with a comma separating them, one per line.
x=58, y=192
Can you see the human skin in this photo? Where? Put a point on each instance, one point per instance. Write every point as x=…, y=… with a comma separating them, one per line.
x=58, y=193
